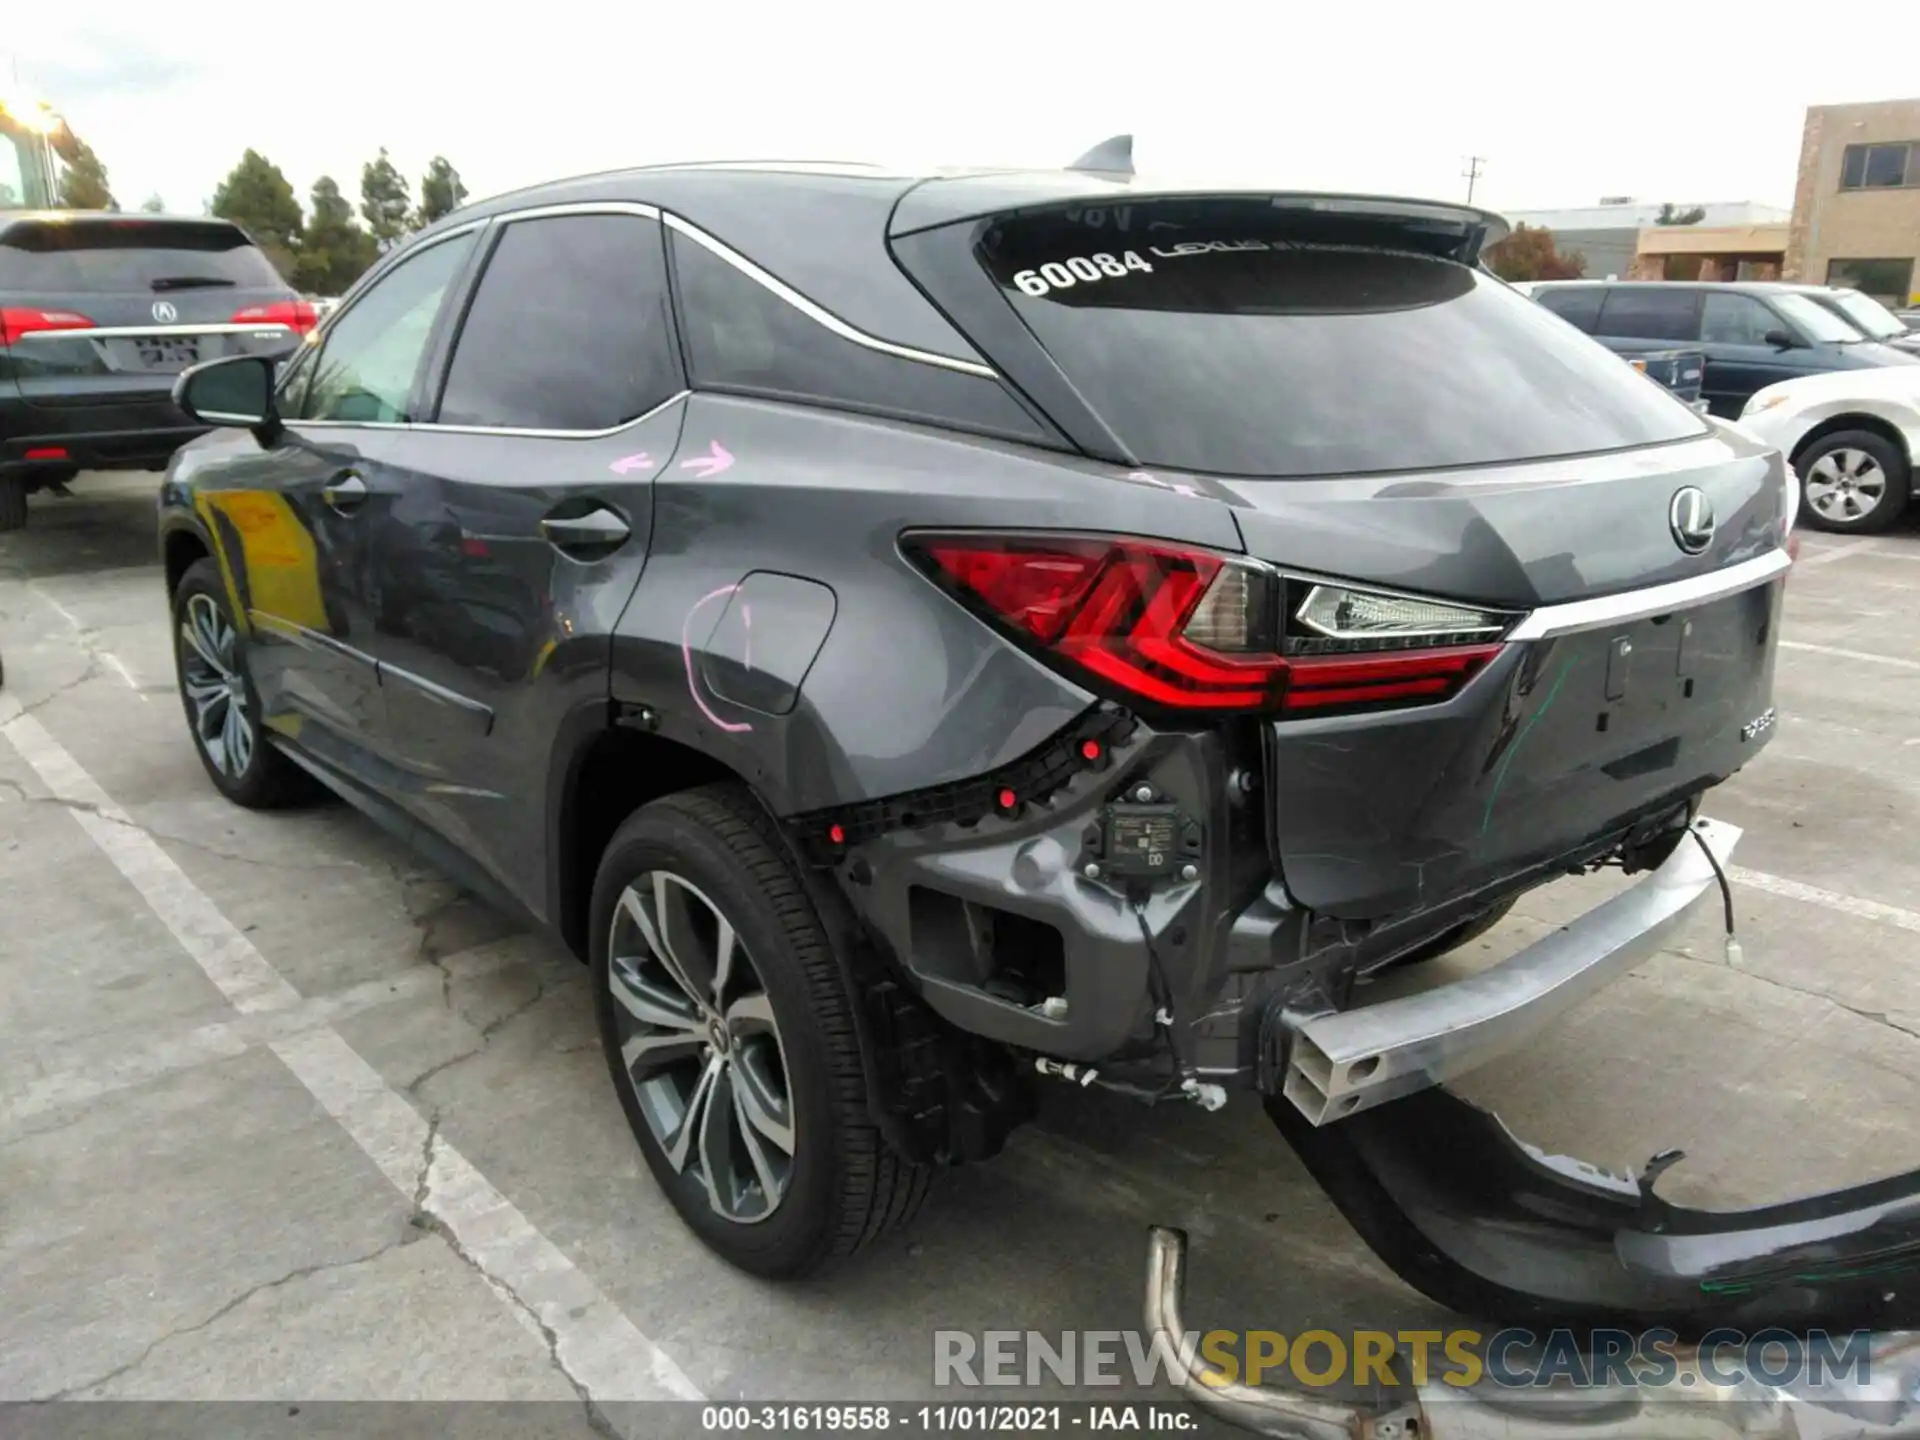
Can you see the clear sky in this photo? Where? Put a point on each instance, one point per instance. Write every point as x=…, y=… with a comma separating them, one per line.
x=1702, y=105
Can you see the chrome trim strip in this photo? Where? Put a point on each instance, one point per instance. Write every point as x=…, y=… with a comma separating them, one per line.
x=818, y=314
x=227, y=417
x=580, y=207
x=1578, y=615
x=132, y=332
x=481, y=715
x=435, y=428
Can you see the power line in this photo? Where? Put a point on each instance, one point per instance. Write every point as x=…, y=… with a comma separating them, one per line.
x=1475, y=163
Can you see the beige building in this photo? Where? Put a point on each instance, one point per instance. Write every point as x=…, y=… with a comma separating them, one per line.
x=1856, y=203
x=1709, y=252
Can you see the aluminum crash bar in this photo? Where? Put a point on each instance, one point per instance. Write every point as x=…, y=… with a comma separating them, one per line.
x=1344, y=1062
x=1886, y=1406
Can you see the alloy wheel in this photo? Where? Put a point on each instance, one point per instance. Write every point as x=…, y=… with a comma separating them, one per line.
x=216, y=693
x=700, y=1045
x=1844, y=485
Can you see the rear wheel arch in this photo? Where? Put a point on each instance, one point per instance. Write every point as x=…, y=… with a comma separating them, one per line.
x=603, y=772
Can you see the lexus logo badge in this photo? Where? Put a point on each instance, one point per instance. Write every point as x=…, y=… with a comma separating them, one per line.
x=164, y=312
x=1690, y=516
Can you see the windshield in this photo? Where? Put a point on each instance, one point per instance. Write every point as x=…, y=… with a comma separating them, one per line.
x=1235, y=340
x=1867, y=313
x=1816, y=322
x=89, y=256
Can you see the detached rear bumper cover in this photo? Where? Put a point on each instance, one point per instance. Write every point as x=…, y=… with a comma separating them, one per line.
x=1341, y=1064
x=1694, y=1407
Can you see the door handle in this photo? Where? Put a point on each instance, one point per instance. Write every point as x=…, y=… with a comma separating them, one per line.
x=596, y=530
x=345, y=492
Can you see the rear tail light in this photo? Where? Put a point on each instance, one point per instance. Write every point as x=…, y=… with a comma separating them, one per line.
x=14, y=322
x=1184, y=629
x=297, y=315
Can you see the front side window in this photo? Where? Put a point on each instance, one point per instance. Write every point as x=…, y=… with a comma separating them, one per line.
x=570, y=329
x=1651, y=312
x=1731, y=319
x=370, y=360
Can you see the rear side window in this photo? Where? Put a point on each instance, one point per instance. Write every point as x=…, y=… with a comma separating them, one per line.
x=1651, y=313
x=1238, y=339
x=570, y=329
x=743, y=338
x=1578, y=307
x=146, y=256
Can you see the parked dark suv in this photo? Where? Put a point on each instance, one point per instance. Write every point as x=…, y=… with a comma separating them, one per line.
x=1752, y=334
x=921, y=639
x=99, y=313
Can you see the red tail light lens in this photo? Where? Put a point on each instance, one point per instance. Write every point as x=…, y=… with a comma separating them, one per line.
x=15, y=323
x=1178, y=628
x=297, y=315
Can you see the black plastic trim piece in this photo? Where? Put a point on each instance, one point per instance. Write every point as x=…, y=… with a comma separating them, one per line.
x=825, y=836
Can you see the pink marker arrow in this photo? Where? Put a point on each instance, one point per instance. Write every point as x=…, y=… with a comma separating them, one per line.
x=627, y=464
x=710, y=464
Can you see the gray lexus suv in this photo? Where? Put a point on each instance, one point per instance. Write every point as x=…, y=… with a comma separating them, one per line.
x=925, y=639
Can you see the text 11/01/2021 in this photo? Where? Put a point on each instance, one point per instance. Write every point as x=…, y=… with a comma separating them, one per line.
x=949, y=1419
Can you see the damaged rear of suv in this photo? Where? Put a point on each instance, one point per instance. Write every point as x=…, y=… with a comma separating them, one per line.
x=1047, y=627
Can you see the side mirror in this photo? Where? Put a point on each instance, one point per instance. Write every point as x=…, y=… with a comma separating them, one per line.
x=236, y=391
x=1782, y=340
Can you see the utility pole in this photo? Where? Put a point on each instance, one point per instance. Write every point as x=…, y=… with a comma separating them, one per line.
x=1474, y=165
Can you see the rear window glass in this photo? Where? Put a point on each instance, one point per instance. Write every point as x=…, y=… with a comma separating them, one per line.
x=1237, y=339
x=91, y=256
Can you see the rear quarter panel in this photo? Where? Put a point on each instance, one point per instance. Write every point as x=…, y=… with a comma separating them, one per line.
x=908, y=689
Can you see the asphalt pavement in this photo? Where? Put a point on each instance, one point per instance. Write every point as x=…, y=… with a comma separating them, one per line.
x=285, y=1116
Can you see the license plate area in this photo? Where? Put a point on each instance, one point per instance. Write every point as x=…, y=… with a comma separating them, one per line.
x=167, y=352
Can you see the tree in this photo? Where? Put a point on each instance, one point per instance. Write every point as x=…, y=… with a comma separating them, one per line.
x=83, y=186
x=1670, y=216
x=441, y=192
x=1529, y=254
x=256, y=197
x=337, y=251
x=385, y=200
x=154, y=205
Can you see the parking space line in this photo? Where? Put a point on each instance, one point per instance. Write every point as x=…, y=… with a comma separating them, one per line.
x=1831, y=899
x=596, y=1346
x=1828, y=556
x=1866, y=655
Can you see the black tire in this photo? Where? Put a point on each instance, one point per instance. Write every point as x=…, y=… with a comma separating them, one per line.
x=844, y=1187
x=1848, y=454
x=13, y=503
x=267, y=780
x=1453, y=939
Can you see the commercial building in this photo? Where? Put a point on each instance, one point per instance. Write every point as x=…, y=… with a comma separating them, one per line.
x=1856, y=203
x=1610, y=236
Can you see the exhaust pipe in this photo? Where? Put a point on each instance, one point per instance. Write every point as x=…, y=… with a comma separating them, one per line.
x=1881, y=1401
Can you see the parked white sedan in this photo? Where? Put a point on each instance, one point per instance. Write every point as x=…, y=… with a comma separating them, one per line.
x=1851, y=436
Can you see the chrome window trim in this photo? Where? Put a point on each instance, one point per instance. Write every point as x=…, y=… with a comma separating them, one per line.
x=819, y=314
x=131, y=332
x=1577, y=615
x=436, y=428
